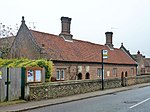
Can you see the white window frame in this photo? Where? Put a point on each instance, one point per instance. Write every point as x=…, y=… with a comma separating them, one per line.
x=114, y=72
x=99, y=72
x=58, y=74
x=62, y=74
x=132, y=71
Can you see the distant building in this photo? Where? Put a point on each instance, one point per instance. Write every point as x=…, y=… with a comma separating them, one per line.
x=143, y=63
x=73, y=59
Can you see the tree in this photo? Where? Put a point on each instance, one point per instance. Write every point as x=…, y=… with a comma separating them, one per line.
x=4, y=50
x=6, y=31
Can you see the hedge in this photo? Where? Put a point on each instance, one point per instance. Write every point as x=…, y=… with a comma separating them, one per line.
x=29, y=63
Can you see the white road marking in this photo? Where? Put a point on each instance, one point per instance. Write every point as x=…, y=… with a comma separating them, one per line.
x=139, y=103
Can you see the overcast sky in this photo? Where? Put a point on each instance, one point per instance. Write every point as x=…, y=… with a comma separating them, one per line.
x=129, y=20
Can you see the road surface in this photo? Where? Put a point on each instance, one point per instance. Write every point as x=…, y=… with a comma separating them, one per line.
x=136, y=100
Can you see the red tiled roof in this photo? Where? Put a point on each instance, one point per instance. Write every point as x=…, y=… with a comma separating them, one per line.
x=81, y=51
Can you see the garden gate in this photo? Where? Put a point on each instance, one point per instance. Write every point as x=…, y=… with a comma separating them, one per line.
x=11, y=83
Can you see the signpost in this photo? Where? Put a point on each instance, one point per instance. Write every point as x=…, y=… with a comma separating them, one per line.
x=104, y=56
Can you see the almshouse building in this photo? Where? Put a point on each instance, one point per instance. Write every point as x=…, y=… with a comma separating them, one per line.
x=73, y=59
x=143, y=67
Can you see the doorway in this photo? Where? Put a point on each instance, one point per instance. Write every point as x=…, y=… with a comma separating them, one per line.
x=87, y=76
x=80, y=76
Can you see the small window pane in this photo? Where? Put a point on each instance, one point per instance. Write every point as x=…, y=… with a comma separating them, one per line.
x=62, y=74
x=99, y=72
x=115, y=71
x=132, y=71
x=58, y=75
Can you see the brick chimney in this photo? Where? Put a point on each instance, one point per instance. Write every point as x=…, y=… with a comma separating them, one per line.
x=109, y=39
x=65, y=31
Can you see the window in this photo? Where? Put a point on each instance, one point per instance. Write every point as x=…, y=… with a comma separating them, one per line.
x=142, y=70
x=108, y=73
x=114, y=72
x=99, y=72
x=132, y=71
x=60, y=75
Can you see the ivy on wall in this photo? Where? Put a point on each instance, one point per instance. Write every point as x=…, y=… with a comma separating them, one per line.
x=29, y=63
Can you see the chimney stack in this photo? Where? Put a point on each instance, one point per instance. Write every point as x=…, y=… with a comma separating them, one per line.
x=65, y=31
x=109, y=36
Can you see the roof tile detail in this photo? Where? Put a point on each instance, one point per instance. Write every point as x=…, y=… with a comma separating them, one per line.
x=81, y=51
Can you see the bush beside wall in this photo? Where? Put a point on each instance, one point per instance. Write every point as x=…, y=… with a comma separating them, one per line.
x=23, y=62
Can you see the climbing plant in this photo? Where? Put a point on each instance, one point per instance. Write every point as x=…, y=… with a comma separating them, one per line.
x=29, y=63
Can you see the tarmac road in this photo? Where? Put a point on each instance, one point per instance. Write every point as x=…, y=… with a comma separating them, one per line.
x=135, y=100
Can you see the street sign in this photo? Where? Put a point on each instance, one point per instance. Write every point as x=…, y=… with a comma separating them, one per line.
x=105, y=54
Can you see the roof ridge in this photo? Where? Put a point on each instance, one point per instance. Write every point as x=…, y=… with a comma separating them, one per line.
x=44, y=33
x=73, y=39
x=85, y=41
x=88, y=42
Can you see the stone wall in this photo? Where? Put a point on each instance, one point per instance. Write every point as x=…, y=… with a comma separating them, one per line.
x=138, y=80
x=59, y=89
x=67, y=88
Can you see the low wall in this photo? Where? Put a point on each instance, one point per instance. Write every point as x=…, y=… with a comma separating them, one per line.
x=60, y=89
x=138, y=80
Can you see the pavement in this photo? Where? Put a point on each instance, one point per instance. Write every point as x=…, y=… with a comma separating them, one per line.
x=29, y=105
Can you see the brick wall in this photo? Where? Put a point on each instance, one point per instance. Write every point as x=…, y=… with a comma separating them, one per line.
x=66, y=88
x=72, y=69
